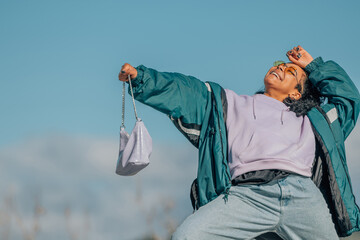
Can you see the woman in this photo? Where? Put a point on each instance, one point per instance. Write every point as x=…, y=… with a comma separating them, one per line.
x=272, y=162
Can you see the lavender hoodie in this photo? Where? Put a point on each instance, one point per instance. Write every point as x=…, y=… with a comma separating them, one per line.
x=264, y=134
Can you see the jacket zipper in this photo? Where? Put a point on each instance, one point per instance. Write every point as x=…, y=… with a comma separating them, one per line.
x=337, y=147
x=222, y=145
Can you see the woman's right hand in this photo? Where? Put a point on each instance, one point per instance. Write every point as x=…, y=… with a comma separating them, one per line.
x=299, y=56
x=126, y=70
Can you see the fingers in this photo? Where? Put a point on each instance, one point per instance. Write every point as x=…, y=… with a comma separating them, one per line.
x=292, y=58
x=295, y=54
x=300, y=48
x=125, y=71
x=123, y=76
x=298, y=51
x=299, y=56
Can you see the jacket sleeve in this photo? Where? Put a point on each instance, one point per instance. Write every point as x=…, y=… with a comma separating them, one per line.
x=183, y=98
x=334, y=83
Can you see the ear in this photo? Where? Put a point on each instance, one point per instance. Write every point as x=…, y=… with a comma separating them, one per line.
x=296, y=95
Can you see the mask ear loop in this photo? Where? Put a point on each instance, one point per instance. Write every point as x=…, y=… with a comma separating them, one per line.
x=123, y=108
x=132, y=95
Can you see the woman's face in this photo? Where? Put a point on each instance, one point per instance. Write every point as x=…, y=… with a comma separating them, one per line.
x=282, y=80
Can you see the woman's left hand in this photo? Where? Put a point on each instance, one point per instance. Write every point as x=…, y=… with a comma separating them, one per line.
x=299, y=56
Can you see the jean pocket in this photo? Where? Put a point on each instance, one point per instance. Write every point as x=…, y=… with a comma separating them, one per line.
x=306, y=184
x=301, y=185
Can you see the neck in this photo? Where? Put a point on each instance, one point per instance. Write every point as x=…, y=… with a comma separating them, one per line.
x=279, y=97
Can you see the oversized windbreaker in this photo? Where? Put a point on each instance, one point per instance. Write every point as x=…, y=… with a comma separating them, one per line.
x=198, y=110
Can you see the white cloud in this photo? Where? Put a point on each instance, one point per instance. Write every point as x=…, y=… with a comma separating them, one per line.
x=79, y=172
x=352, y=145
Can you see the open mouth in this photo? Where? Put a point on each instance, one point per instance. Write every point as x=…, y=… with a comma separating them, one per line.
x=277, y=75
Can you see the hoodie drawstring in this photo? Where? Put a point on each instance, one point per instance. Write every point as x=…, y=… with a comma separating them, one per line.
x=254, y=108
x=282, y=115
x=282, y=111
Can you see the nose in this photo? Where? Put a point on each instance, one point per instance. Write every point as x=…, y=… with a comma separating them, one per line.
x=281, y=67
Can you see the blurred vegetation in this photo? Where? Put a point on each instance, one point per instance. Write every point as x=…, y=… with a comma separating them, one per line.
x=11, y=220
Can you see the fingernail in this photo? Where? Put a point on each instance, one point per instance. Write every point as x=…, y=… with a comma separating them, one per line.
x=122, y=71
x=290, y=52
x=297, y=49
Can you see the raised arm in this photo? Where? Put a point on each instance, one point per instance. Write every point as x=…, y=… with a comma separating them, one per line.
x=183, y=98
x=332, y=82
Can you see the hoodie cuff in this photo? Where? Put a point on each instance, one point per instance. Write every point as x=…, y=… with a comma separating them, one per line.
x=139, y=77
x=313, y=65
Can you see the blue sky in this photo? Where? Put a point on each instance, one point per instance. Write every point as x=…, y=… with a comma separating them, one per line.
x=59, y=59
x=59, y=62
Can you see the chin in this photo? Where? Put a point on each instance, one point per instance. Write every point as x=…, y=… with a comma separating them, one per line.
x=270, y=79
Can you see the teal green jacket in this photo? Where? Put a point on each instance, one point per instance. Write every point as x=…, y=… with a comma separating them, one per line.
x=198, y=110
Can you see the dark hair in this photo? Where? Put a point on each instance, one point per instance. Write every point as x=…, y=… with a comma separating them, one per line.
x=310, y=98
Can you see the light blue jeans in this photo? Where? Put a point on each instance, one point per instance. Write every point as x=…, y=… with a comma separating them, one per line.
x=293, y=207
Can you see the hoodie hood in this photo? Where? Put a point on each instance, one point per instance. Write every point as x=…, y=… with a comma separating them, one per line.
x=271, y=103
